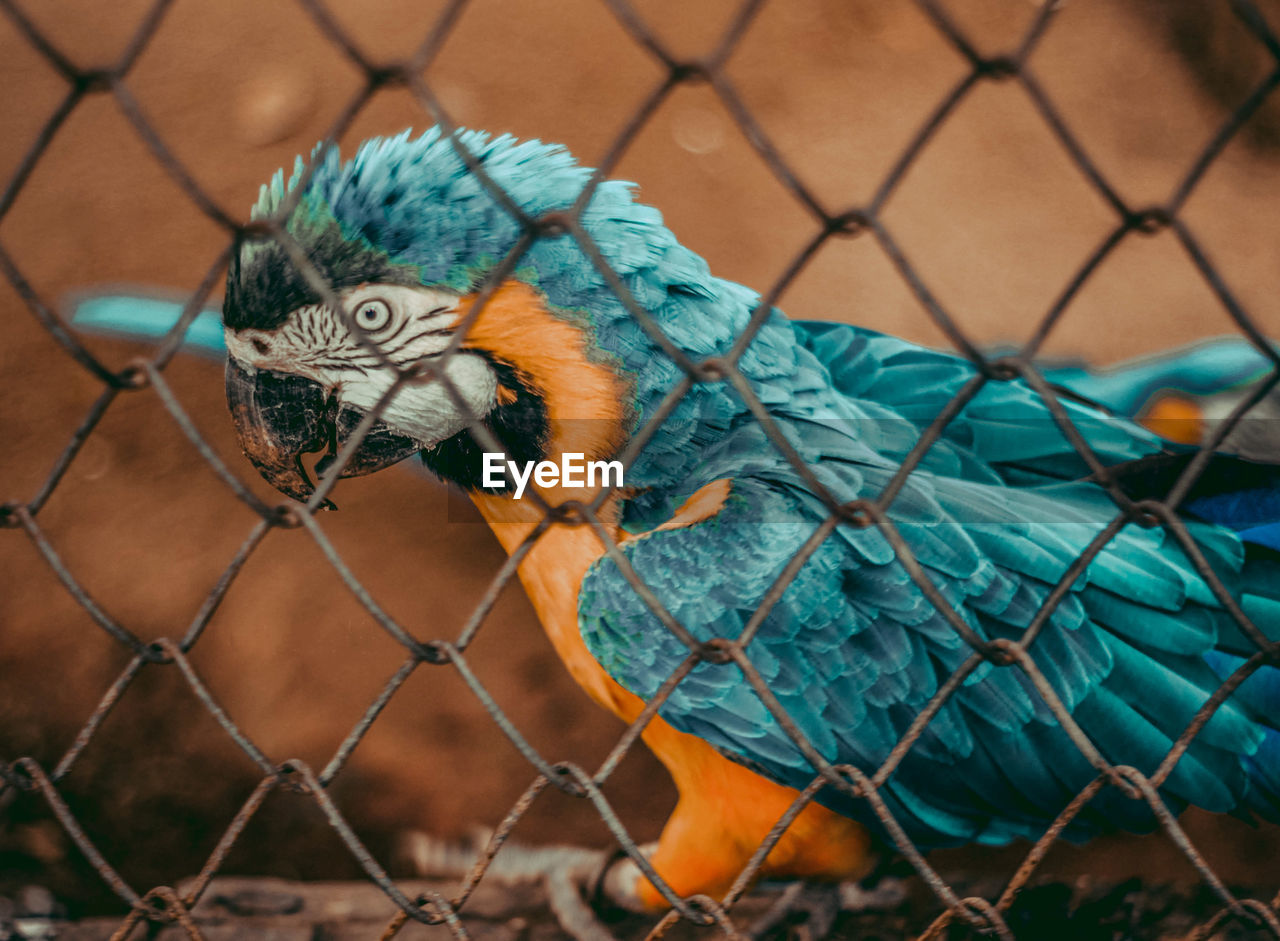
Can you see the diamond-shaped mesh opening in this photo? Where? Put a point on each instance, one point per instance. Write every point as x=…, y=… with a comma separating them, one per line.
x=853, y=273
x=255, y=113
x=848, y=47
x=87, y=203
x=1139, y=82
x=452, y=641
x=995, y=230
x=562, y=84
x=1148, y=274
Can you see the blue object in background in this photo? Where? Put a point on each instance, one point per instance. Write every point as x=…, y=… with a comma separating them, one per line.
x=140, y=317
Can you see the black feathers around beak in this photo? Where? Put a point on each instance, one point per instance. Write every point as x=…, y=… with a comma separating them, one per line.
x=279, y=417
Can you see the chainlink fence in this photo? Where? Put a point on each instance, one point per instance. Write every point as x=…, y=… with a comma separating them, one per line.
x=161, y=905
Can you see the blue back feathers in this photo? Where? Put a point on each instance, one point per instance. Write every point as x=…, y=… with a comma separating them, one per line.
x=995, y=515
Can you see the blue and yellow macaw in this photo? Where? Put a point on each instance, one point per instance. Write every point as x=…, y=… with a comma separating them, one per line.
x=711, y=514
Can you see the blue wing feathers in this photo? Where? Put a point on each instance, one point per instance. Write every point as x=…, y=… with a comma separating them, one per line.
x=854, y=650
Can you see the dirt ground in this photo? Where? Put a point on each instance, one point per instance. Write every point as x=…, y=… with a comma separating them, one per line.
x=994, y=215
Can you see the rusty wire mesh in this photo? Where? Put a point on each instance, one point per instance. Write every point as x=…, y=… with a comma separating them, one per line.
x=162, y=904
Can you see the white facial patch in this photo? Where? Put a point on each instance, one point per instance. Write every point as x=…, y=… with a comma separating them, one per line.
x=423, y=409
x=408, y=325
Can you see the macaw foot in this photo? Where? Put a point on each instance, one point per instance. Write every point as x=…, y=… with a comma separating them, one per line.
x=813, y=906
x=883, y=895
x=810, y=909
x=572, y=878
x=568, y=875
x=622, y=880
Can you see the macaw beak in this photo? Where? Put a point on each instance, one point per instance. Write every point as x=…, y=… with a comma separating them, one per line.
x=279, y=417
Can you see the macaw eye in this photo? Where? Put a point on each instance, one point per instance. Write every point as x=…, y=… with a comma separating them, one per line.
x=373, y=316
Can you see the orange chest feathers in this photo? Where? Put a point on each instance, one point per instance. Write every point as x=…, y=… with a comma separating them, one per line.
x=725, y=810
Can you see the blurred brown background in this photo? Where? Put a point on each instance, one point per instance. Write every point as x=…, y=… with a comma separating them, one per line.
x=994, y=215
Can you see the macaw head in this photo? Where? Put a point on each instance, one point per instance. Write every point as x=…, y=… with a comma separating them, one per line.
x=406, y=236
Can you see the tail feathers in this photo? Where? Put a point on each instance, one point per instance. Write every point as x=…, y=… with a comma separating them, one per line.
x=1253, y=510
x=1239, y=494
x=1259, y=696
x=1267, y=536
x=1263, y=768
x=148, y=318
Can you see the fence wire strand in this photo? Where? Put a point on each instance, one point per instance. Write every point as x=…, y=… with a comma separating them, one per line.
x=161, y=904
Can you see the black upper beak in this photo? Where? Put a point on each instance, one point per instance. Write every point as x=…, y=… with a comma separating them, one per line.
x=279, y=417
